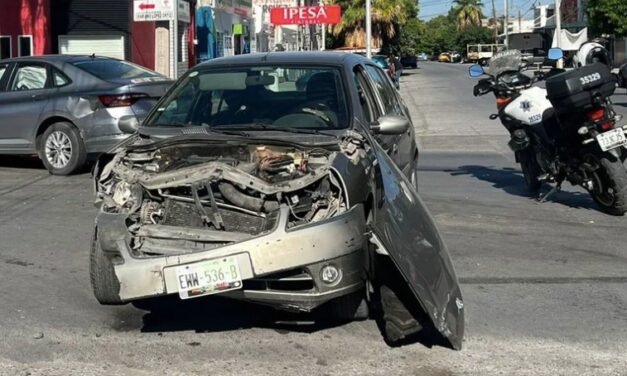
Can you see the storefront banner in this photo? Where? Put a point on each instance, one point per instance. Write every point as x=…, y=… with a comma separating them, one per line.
x=319, y=15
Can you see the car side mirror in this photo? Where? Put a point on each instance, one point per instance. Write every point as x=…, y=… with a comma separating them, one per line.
x=476, y=70
x=390, y=124
x=128, y=124
x=555, y=54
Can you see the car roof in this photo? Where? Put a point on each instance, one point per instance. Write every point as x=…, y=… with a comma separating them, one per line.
x=289, y=58
x=57, y=58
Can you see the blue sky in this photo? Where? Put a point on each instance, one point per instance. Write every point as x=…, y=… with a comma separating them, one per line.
x=433, y=8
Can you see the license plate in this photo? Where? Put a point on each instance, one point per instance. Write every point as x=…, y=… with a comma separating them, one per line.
x=612, y=139
x=208, y=277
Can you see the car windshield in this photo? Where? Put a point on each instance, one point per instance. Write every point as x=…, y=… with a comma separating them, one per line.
x=109, y=69
x=256, y=97
x=505, y=61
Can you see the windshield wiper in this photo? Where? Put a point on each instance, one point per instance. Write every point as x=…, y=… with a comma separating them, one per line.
x=202, y=128
x=270, y=127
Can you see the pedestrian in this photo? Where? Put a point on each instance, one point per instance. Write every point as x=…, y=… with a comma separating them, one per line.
x=398, y=68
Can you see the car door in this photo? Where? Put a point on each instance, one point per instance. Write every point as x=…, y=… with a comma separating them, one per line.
x=406, y=231
x=21, y=103
x=401, y=145
x=388, y=105
x=373, y=108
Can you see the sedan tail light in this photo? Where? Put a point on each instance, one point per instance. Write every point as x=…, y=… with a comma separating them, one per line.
x=121, y=100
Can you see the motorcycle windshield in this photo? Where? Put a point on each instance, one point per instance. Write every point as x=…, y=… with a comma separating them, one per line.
x=505, y=61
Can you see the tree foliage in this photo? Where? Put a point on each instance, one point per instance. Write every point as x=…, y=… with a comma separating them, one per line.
x=387, y=16
x=468, y=13
x=607, y=17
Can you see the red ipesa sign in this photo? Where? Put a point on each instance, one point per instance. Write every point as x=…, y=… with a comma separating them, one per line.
x=325, y=15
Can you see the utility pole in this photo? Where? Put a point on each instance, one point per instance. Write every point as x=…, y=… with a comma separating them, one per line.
x=506, y=25
x=558, y=31
x=519, y=22
x=496, y=24
x=368, y=30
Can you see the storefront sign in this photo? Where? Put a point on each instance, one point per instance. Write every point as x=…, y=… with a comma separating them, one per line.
x=160, y=10
x=184, y=14
x=320, y=15
x=153, y=10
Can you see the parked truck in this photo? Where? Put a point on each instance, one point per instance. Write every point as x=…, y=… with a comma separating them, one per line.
x=482, y=53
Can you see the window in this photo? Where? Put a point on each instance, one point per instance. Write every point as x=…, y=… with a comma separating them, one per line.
x=5, y=47
x=59, y=79
x=30, y=77
x=382, y=87
x=109, y=69
x=3, y=68
x=365, y=97
x=244, y=97
x=25, y=45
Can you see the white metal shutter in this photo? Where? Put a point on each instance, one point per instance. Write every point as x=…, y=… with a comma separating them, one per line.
x=101, y=45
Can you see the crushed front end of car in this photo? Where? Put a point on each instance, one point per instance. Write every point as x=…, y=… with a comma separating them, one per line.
x=268, y=223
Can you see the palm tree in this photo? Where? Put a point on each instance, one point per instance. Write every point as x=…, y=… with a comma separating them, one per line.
x=468, y=13
x=385, y=15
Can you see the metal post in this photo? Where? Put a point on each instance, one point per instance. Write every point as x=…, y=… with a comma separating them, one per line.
x=369, y=30
x=175, y=31
x=558, y=32
x=324, y=37
x=506, y=25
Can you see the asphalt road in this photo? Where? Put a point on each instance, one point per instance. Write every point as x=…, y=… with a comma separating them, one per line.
x=544, y=284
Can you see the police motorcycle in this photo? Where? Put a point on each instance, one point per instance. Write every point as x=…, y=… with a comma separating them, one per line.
x=567, y=131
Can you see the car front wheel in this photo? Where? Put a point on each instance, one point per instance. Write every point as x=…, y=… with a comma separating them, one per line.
x=61, y=149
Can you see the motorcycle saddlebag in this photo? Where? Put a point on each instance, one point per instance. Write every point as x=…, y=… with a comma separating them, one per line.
x=580, y=88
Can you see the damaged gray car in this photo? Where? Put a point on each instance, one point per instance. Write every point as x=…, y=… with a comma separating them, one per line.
x=283, y=179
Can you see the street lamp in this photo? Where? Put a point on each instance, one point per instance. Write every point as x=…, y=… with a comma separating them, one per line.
x=368, y=30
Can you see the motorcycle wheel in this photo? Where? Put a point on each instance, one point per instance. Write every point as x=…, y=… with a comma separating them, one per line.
x=530, y=170
x=609, y=185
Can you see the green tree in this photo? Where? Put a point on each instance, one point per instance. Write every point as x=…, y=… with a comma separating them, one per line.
x=409, y=38
x=387, y=15
x=607, y=17
x=468, y=13
x=440, y=35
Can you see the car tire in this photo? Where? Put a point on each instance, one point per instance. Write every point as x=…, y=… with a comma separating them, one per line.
x=104, y=283
x=350, y=307
x=61, y=149
x=399, y=315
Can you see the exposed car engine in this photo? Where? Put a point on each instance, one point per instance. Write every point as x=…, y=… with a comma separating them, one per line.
x=186, y=197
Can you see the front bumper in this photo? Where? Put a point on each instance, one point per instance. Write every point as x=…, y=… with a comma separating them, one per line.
x=306, y=249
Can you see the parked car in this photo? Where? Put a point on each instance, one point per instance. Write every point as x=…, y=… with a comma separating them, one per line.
x=65, y=108
x=384, y=63
x=444, y=57
x=533, y=56
x=456, y=57
x=423, y=56
x=410, y=61
x=240, y=185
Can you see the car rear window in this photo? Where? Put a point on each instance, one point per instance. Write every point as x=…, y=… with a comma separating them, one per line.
x=114, y=69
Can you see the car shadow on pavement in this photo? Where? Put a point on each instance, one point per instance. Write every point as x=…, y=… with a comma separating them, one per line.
x=219, y=314
x=29, y=162
x=512, y=181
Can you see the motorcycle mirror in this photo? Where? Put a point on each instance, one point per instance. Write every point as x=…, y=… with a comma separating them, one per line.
x=476, y=70
x=555, y=54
